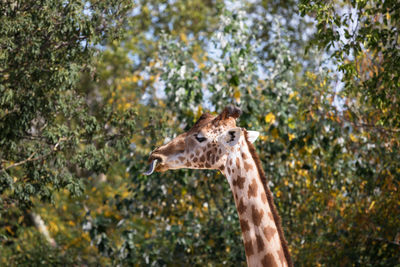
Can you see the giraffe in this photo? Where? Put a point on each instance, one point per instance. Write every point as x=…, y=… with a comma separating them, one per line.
x=214, y=142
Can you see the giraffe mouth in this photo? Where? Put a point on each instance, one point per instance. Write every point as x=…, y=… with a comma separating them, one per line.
x=152, y=167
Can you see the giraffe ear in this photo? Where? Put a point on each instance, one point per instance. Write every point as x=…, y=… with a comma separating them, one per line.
x=252, y=136
x=231, y=137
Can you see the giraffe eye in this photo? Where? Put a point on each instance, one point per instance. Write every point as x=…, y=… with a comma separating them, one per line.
x=200, y=138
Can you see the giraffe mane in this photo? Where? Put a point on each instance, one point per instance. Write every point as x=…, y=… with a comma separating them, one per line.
x=275, y=214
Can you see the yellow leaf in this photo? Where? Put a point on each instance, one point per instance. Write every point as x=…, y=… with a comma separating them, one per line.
x=376, y=70
x=125, y=194
x=8, y=228
x=199, y=112
x=86, y=236
x=292, y=94
x=353, y=138
x=291, y=123
x=304, y=173
x=275, y=133
x=53, y=226
x=127, y=105
x=371, y=206
x=162, y=104
x=183, y=37
x=270, y=118
x=291, y=137
x=236, y=95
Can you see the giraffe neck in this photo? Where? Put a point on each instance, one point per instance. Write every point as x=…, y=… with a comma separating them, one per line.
x=261, y=234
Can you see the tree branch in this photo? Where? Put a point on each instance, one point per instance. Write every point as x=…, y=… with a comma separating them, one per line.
x=41, y=226
x=31, y=157
x=384, y=240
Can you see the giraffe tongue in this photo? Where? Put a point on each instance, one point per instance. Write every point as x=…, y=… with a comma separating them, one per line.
x=152, y=167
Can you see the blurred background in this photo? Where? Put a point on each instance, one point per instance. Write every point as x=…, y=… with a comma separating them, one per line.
x=89, y=88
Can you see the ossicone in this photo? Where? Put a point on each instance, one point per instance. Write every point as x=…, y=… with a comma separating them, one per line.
x=230, y=111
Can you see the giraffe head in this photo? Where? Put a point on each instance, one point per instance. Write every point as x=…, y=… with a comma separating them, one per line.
x=205, y=146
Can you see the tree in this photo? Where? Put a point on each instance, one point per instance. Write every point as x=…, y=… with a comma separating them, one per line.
x=49, y=137
x=362, y=38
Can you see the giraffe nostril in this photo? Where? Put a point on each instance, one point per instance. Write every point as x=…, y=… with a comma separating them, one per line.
x=159, y=159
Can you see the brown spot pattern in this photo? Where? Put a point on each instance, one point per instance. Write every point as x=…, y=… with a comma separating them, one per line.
x=260, y=243
x=256, y=215
x=244, y=156
x=238, y=163
x=239, y=181
x=209, y=155
x=269, y=261
x=247, y=166
x=244, y=225
x=241, y=207
x=202, y=158
x=248, y=247
x=271, y=217
x=281, y=256
x=191, y=143
x=264, y=197
x=253, y=187
x=269, y=232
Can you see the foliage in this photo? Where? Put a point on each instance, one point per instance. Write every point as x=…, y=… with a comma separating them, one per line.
x=49, y=138
x=363, y=37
